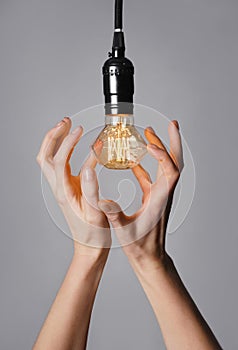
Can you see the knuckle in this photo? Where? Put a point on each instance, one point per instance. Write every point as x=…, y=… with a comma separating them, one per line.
x=175, y=176
x=69, y=143
x=59, y=159
x=172, y=177
x=60, y=197
x=50, y=135
x=113, y=217
x=39, y=159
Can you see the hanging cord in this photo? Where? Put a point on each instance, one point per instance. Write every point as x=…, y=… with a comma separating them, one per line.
x=118, y=46
x=118, y=14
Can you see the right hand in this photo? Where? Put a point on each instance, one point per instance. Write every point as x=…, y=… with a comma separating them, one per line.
x=142, y=235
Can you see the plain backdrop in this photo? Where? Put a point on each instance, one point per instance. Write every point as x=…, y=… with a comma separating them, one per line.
x=185, y=54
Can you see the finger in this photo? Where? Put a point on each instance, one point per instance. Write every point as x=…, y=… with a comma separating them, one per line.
x=153, y=138
x=176, y=150
x=113, y=212
x=97, y=147
x=53, y=140
x=142, y=177
x=59, y=141
x=91, y=161
x=48, y=149
x=67, y=146
x=61, y=158
x=165, y=161
x=89, y=185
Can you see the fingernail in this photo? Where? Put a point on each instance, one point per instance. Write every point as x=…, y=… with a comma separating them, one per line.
x=88, y=174
x=76, y=130
x=175, y=122
x=98, y=142
x=150, y=129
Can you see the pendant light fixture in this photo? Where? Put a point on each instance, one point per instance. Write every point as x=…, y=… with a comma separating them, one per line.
x=119, y=145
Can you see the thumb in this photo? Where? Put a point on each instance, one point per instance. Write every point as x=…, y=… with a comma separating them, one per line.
x=113, y=212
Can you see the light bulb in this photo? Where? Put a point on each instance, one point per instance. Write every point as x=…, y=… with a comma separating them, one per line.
x=119, y=145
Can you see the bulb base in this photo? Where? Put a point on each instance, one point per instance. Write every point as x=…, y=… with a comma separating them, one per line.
x=118, y=79
x=115, y=108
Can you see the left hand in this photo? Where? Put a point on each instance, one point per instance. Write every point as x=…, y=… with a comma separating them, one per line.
x=77, y=196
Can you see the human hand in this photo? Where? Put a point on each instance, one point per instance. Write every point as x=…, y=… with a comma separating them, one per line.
x=77, y=195
x=142, y=235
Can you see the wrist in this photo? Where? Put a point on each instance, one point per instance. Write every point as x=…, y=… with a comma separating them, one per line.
x=85, y=270
x=90, y=257
x=145, y=263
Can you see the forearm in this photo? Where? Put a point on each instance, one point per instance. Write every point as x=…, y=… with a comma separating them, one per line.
x=182, y=325
x=67, y=323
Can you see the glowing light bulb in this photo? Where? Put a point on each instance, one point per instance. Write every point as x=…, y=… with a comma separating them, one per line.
x=119, y=145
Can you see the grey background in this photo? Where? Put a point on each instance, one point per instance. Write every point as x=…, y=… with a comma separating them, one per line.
x=51, y=57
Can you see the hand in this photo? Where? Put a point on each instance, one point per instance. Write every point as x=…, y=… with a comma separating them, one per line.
x=142, y=235
x=77, y=196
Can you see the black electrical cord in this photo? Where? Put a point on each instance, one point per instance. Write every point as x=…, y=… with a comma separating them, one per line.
x=118, y=46
x=118, y=14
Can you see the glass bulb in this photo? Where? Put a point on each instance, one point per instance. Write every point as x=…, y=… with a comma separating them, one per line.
x=119, y=145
